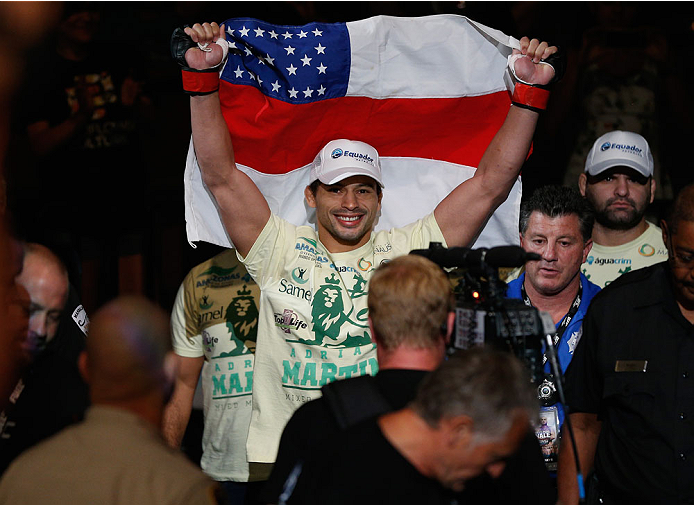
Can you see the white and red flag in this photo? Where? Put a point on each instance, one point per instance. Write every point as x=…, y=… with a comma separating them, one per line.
x=427, y=93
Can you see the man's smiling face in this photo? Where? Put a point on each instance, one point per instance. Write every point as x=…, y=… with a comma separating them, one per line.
x=345, y=211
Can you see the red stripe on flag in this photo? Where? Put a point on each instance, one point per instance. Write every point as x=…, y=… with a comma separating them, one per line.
x=274, y=137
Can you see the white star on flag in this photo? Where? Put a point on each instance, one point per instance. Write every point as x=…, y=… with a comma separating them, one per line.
x=248, y=51
x=259, y=32
x=287, y=35
x=273, y=34
x=269, y=59
x=244, y=32
x=321, y=90
x=293, y=93
x=317, y=33
x=306, y=60
x=260, y=81
x=289, y=49
x=276, y=86
x=302, y=34
x=291, y=69
x=321, y=68
x=238, y=71
x=320, y=49
x=230, y=31
x=308, y=92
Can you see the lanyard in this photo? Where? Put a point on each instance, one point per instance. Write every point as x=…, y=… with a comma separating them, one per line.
x=564, y=322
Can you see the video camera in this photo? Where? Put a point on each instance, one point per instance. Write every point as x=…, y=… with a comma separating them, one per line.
x=483, y=314
x=485, y=317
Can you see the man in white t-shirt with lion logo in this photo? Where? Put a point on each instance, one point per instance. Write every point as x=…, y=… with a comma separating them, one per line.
x=321, y=275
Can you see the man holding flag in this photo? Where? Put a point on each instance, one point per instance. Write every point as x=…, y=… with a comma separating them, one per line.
x=313, y=324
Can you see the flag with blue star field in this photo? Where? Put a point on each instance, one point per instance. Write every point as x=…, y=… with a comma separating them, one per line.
x=427, y=93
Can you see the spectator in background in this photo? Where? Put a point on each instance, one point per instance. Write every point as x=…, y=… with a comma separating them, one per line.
x=21, y=26
x=214, y=326
x=618, y=183
x=81, y=108
x=50, y=394
x=116, y=455
x=626, y=76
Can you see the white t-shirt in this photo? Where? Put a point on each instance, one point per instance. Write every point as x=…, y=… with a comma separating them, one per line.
x=604, y=264
x=215, y=315
x=313, y=325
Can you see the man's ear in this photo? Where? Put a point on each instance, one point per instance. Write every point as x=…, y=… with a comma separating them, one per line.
x=374, y=337
x=83, y=366
x=582, y=181
x=586, y=249
x=310, y=197
x=450, y=323
x=652, y=190
x=666, y=234
x=457, y=429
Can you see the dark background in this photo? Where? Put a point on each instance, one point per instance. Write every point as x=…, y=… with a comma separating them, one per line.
x=139, y=32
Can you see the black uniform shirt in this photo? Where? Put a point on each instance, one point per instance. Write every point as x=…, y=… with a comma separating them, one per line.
x=312, y=426
x=645, y=452
x=54, y=395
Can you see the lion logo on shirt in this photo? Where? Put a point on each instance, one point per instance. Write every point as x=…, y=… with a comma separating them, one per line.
x=328, y=317
x=327, y=312
x=242, y=321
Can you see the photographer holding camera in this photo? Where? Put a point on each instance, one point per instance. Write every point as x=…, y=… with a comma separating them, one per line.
x=556, y=223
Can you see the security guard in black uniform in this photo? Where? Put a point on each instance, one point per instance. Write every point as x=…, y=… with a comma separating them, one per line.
x=630, y=385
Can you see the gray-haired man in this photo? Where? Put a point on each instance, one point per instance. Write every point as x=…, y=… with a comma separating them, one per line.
x=468, y=417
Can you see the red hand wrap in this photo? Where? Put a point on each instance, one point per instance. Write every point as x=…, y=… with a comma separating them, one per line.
x=530, y=96
x=200, y=83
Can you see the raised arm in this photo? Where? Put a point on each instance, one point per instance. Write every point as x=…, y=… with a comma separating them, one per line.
x=242, y=206
x=465, y=211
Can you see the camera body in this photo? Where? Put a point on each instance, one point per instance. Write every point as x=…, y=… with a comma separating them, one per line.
x=506, y=324
x=484, y=316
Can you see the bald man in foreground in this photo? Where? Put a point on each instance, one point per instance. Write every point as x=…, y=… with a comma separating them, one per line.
x=116, y=456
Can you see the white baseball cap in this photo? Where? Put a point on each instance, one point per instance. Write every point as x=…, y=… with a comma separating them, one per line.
x=620, y=149
x=343, y=158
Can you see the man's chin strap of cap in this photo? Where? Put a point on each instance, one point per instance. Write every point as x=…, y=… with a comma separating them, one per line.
x=196, y=82
x=532, y=96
